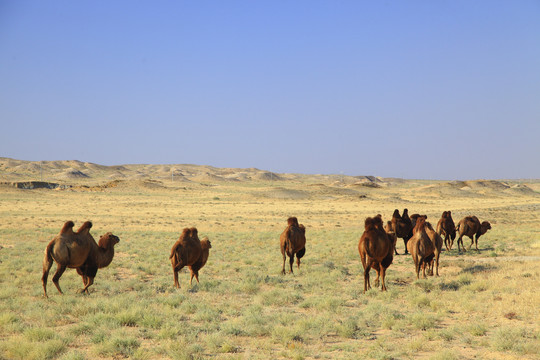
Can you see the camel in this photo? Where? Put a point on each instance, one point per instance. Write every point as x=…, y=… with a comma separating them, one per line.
x=197, y=265
x=421, y=247
x=391, y=234
x=447, y=228
x=437, y=242
x=376, y=250
x=77, y=250
x=402, y=227
x=293, y=241
x=185, y=252
x=470, y=226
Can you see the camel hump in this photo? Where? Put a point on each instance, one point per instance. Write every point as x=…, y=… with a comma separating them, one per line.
x=205, y=243
x=302, y=228
x=292, y=221
x=68, y=226
x=85, y=227
x=194, y=232
x=185, y=233
x=377, y=222
x=369, y=224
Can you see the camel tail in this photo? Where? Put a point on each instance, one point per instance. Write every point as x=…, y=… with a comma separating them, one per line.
x=48, y=258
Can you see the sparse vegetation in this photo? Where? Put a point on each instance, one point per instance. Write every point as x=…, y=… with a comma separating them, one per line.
x=482, y=305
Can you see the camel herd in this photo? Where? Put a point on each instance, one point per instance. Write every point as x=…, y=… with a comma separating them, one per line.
x=377, y=246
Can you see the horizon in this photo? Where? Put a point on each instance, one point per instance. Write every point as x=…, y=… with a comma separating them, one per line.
x=415, y=90
x=280, y=173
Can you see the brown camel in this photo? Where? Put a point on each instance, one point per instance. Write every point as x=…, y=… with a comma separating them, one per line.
x=185, y=252
x=437, y=241
x=98, y=258
x=391, y=234
x=402, y=226
x=421, y=247
x=447, y=228
x=376, y=250
x=293, y=241
x=470, y=226
x=77, y=250
x=197, y=265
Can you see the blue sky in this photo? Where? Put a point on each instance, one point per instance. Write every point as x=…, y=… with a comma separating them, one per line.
x=412, y=89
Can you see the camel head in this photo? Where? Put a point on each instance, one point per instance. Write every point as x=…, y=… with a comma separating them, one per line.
x=484, y=227
x=205, y=243
x=420, y=223
x=108, y=241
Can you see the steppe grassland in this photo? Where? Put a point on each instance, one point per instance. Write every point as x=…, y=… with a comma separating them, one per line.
x=483, y=304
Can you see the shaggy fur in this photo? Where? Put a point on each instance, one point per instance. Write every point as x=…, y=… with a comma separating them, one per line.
x=376, y=250
x=197, y=265
x=447, y=228
x=76, y=250
x=185, y=252
x=470, y=226
x=292, y=242
x=421, y=247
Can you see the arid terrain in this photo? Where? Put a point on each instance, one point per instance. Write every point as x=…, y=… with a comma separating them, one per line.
x=484, y=304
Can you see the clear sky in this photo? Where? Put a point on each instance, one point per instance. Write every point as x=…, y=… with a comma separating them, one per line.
x=425, y=89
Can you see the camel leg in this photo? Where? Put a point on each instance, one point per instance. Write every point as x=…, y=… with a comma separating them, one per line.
x=291, y=262
x=417, y=268
x=437, y=263
x=447, y=242
x=46, y=268
x=176, y=283
x=472, y=243
x=197, y=277
x=298, y=262
x=476, y=242
x=383, y=275
x=283, y=268
x=376, y=283
x=191, y=278
x=424, y=264
x=405, y=240
x=460, y=241
x=59, y=271
x=366, y=278
x=89, y=282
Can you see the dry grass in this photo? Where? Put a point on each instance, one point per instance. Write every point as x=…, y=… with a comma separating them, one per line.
x=484, y=304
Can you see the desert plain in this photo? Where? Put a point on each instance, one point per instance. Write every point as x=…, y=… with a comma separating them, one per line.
x=484, y=304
